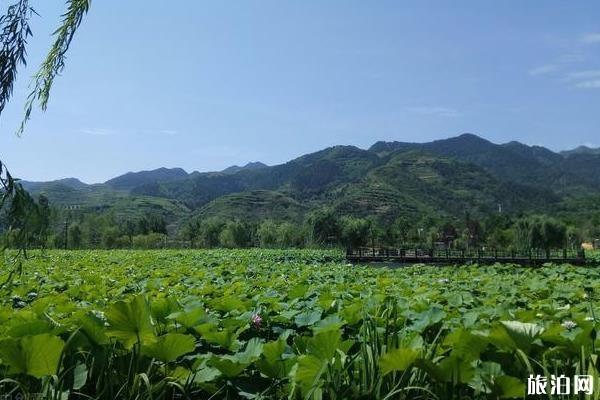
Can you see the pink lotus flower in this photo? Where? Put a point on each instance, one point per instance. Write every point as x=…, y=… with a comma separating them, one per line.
x=256, y=320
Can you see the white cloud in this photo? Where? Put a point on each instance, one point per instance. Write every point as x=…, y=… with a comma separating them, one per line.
x=167, y=132
x=571, y=58
x=589, y=79
x=98, y=131
x=591, y=84
x=583, y=75
x=591, y=38
x=436, y=111
x=543, y=69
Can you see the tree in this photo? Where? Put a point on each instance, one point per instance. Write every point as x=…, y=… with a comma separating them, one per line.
x=356, y=232
x=402, y=229
x=541, y=233
x=500, y=238
x=324, y=227
x=94, y=235
x=595, y=226
x=157, y=224
x=554, y=233
x=149, y=241
x=22, y=210
x=290, y=235
x=210, y=230
x=267, y=233
x=575, y=237
x=75, y=236
x=128, y=228
x=27, y=220
x=498, y=232
x=234, y=235
x=143, y=226
x=448, y=234
x=389, y=235
x=110, y=237
x=474, y=230
x=191, y=232
x=523, y=234
x=536, y=234
x=433, y=237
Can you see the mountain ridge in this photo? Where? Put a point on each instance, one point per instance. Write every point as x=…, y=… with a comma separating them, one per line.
x=386, y=181
x=380, y=147
x=583, y=149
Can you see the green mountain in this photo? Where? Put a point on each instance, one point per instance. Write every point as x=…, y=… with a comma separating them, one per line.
x=416, y=180
x=251, y=165
x=307, y=177
x=390, y=179
x=133, y=179
x=513, y=162
x=581, y=150
x=73, y=196
x=255, y=205
x=58, y=185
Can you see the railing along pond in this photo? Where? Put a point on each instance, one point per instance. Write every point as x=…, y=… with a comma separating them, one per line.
x=419, y=255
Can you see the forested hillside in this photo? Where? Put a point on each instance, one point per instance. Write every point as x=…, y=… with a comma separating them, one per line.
x=446, y=181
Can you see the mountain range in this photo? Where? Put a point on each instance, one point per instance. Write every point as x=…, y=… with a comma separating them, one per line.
x=388, y=180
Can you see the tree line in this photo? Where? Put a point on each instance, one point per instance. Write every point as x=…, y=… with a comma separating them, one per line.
x=322, y=228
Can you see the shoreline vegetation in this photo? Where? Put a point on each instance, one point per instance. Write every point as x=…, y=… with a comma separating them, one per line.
x=322, y=229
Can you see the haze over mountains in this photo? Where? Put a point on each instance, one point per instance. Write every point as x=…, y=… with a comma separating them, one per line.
x=390, y=179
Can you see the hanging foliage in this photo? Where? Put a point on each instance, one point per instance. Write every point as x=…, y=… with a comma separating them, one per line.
x=26, y=220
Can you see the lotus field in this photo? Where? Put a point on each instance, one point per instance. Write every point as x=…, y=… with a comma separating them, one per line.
x=302, y=324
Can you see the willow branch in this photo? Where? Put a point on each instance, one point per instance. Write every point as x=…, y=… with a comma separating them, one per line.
x=54, y=63
x=14, y=31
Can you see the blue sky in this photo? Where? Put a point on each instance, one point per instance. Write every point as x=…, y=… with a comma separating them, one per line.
x=204, y=85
